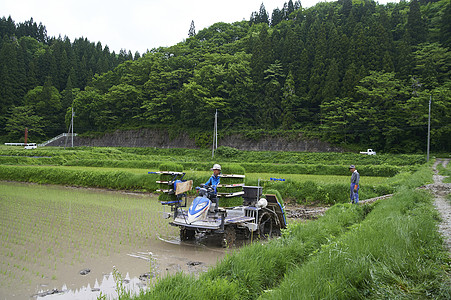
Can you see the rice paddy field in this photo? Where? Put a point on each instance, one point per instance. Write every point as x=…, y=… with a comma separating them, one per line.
x=49, y=233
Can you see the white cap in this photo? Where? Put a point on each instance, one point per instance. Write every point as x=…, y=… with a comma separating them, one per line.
x=216, y=167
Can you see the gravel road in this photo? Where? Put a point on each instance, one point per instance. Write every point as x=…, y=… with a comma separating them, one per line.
x=443, y=205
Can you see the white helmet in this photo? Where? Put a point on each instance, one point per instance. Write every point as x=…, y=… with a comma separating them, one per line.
x=216, y=167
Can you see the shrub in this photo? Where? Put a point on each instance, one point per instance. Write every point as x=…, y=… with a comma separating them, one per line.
x=169, y=166
x=93, y=178
x=227, y=152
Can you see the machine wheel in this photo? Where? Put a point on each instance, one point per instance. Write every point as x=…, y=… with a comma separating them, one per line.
x=187, y=234
x=229, y=237
x=265, y=229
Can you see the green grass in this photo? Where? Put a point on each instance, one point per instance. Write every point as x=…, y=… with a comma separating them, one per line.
x=445, y=172
x=155, y=162
x=395, y=253
x=252, y=178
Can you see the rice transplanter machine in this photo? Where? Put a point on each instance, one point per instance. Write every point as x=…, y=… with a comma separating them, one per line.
x=259, y=216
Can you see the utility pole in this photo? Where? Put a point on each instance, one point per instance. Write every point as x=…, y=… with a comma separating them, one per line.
x=216, y=125
x=215, y=135
x=26, y=135
x=429, y=128
x=72, y=125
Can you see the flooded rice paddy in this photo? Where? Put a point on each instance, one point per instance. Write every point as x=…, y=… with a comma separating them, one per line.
x=64, y=243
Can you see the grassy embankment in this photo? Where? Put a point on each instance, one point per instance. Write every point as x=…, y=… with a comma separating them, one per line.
x=126, y=168
x=390, y=249
x=445, y=172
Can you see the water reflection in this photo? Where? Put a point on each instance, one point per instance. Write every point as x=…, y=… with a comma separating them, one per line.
x=107, y=288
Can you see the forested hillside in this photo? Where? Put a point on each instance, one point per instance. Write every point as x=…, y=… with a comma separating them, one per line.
x=351, y=72
x=41, y=75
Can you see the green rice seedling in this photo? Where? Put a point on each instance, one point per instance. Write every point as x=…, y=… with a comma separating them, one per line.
x=275, y=192
x=231, y=169
x=167, y=177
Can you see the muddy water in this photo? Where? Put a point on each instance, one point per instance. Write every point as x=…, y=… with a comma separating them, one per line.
x=50, y=233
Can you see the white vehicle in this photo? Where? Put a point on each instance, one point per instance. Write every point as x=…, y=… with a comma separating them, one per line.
x=369, y=152
x=31, y=146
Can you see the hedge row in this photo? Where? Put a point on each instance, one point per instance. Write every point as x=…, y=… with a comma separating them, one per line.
x=119, y=180
x=286, y=157
x=230, y=154
x=21, y=160
x=224, y=154
x=365, y=170
x=309, y=192
x=317, y=169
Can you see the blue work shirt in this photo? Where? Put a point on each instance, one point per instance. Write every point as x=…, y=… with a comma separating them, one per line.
x=214, y=180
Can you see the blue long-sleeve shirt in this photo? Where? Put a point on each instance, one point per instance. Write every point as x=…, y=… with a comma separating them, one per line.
x=213, y=180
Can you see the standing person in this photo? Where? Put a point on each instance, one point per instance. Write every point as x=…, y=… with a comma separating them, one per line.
x=355, y=178
x=214, y=179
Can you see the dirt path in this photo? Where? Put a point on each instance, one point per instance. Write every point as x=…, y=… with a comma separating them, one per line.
x=440, y=191
x=296, y=211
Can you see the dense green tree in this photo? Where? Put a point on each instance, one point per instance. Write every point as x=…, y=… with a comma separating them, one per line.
x=270, y=108
x=192, y=30
x=379, y=114
x=346, y=7
x=416, y=29
x=289, y=102
x=339, y=115
x=260, y=17
x=432, y=64
x=46, y=102
x=350, y=80
x=276, y=17
x=21, y=117
x=445, y=26
x=332, y=82
x=89, y=115
x=290, y=8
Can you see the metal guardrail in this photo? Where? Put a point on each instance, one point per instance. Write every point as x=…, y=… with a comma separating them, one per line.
x=55, y=138
x=14, y=144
